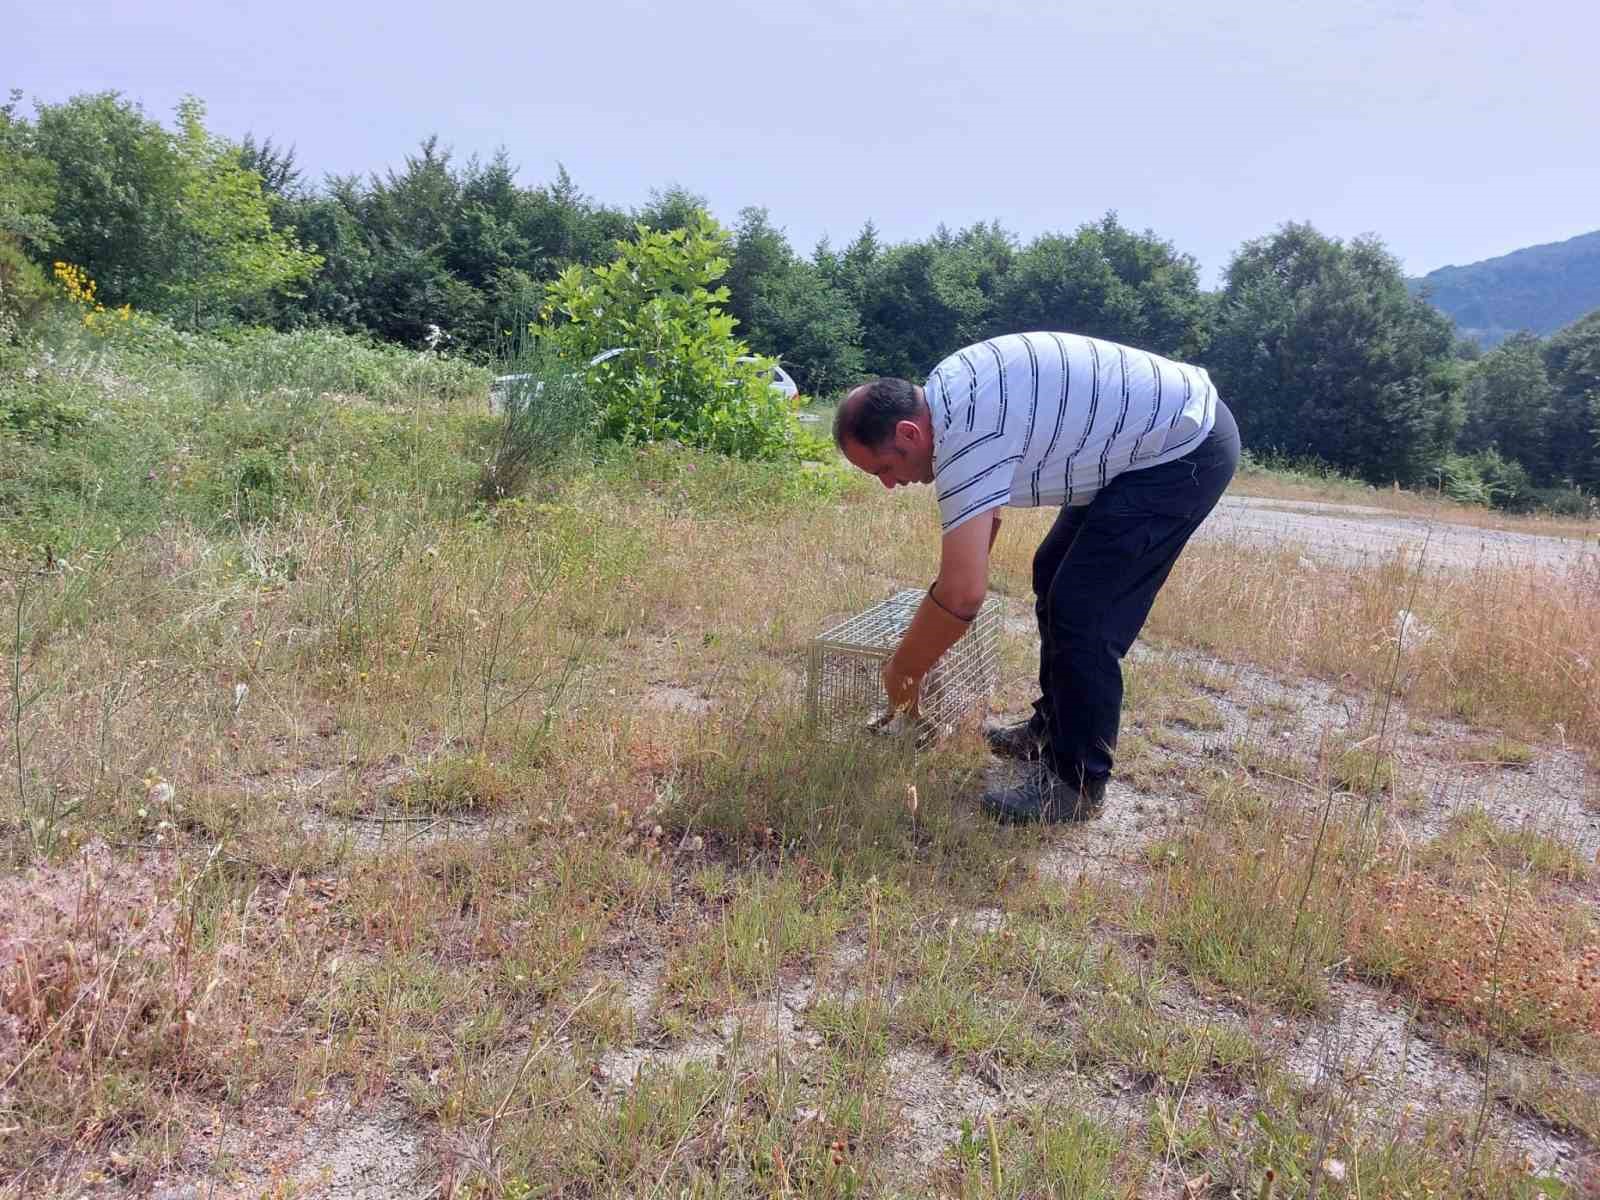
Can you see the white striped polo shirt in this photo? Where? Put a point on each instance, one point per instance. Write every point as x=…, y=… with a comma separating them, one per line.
x=1051, y=418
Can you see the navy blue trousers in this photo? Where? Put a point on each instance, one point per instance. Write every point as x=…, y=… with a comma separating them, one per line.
x=1095, y=578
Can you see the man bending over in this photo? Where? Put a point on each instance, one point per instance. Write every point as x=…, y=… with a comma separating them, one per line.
x=1135, y=449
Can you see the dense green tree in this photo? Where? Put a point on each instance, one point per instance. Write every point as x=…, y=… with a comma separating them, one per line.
x=118, y=195
x=487, y=250
x=802, y=319
x=563, y=227
x=329, y=222
x=788, y=309
x=27, y=183
x=1321, y=352
x=849, y=271
x=758, y=253
x=225, y=250
x=921, y=300
x=1508, y=404
x=462, y=250
x=175, y=222
x=673, y=207
x=1572, y=358
x=1107, y=281
x=280, y=175
x=406, y=218
x=27, y=197
x=1064, y=283
x=970, y=267
x=1171, y=314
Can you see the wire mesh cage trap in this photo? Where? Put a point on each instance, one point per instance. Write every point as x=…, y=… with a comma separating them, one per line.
x=845, y=686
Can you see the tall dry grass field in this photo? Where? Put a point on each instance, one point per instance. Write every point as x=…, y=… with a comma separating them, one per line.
x=344, y=811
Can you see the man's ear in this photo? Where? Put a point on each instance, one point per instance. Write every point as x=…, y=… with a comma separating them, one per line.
x=907, y=434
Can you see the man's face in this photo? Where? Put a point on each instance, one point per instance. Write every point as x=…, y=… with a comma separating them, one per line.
x=905, y=458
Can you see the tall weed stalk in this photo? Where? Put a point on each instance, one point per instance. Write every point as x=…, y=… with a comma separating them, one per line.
x=546, y=416
x=39, y=816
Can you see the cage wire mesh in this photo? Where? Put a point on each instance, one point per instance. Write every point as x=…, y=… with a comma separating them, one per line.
x=845, y=685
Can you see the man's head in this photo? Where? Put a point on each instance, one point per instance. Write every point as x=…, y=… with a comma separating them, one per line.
x=884, y=428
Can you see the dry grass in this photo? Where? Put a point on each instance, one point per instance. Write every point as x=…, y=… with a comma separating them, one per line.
x=1499, y=646
x=1475, y=838
x=1493, y=954
x=400, y=802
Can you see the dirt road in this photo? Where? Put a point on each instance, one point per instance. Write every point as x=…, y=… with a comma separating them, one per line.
x=1352, y=533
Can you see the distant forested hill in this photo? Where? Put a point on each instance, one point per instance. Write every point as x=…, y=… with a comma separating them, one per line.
x=1540, y=288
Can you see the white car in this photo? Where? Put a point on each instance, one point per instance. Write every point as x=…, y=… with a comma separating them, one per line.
x=502, y=386
x=781, y=380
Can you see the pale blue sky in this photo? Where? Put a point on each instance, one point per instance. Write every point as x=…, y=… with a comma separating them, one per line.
x=1455, y=129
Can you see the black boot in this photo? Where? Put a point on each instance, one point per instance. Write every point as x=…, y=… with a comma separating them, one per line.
x=1021, y=741
x=1044, y=796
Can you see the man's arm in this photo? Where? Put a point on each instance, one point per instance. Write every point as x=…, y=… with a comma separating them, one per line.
x=964, y=564
x=948, y=610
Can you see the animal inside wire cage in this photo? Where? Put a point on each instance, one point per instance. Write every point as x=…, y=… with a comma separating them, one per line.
x=845, y=685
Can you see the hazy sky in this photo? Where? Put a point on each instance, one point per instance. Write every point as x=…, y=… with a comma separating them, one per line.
x=1455, y=129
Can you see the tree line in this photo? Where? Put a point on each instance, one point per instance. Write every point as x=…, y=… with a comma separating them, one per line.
x=1315, y=341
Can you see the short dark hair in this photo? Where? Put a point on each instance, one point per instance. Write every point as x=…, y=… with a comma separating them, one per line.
x=870, y=413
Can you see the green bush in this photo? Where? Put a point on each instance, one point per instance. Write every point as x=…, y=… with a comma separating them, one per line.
x=677, y=377
x=41, y=404
x=1483, y=478
x=256, y=479
x=1565, y=501
x=71, y=465
x=1292, y=468
x=24, y=291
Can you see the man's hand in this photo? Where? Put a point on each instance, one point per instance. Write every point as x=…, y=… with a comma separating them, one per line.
x=902, y=689
x=947, y=611
x=933, y=630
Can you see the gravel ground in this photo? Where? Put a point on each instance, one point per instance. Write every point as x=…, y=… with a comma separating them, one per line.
x=1352, y=533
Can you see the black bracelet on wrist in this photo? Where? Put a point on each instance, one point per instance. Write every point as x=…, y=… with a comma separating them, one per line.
x=941, y=604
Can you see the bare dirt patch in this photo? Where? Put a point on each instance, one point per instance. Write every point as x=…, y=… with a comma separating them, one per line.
x=1115, y=843
x=748, y=1031
x=383, y=833
x=1553, y=795
x=934, y=1098
x=670, y=697
x=340, y=1152
x=1379, y=1060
